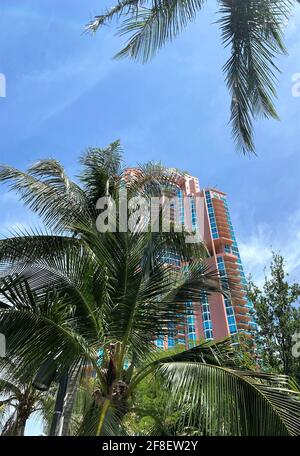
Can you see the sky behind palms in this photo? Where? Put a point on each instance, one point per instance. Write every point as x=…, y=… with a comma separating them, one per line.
x=65, y=93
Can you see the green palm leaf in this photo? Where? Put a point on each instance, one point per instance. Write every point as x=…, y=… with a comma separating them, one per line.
x=227, y=401
x=150, y=28
x=46, y=191
x=254, y=32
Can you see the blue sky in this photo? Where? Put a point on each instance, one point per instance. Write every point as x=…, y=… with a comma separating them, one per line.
x=65, y=93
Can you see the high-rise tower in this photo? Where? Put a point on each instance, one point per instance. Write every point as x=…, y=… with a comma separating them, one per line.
x=218, y=316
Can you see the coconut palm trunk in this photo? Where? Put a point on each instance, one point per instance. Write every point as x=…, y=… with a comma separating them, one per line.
x=22, y=416
x=20, y=401
x=16, y=424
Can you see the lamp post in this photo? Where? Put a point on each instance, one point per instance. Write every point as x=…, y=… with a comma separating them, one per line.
x=56, y=425
x=42, y=382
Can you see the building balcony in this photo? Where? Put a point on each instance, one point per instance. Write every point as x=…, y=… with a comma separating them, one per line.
x=222, y=241
x=221, y=221
x=221, y=217
x=240, y=309
x=238, y=294
x=218, y=203
x=230, y=257
x=219, y=210
x=243, y=324
x=224, y=227
x=242, y=317
x=231, y=262
x=236, y=287
x=223, y=233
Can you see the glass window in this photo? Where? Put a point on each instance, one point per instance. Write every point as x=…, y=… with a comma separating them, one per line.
x=206, y=316
x=233, y=329
x=160, y=343
x=171, y=342
x=207, y=325
x=231, y=320
x=208, y=334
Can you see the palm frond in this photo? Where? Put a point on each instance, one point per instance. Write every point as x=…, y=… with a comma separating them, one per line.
x=112, y=424
x=31, y=247
x=224, y=400
x=47, y=191
x=254, y=32
x=122, y=7
x=100, y=168
x=151, y=27
x=38, y=326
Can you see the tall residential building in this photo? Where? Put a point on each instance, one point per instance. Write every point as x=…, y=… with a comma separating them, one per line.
x=217, y=317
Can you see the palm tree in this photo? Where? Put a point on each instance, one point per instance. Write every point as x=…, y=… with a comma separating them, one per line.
x=99, y=300
x=19, y=399
x=252, y=29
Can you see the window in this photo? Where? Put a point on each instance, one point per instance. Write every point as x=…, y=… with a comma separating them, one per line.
x=231, y=320
x=206, y=316
x=227, y=248
x=159, y=343
x=232, y=329
x=208, y=335
x=171, y=342
x=207, y=325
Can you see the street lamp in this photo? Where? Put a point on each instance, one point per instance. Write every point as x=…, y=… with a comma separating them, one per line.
x=45, y=375
x=42, y=382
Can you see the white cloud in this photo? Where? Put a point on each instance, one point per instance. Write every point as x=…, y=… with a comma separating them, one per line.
x=256, y=251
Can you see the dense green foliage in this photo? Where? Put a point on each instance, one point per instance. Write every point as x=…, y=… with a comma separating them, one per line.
x=277, y=315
